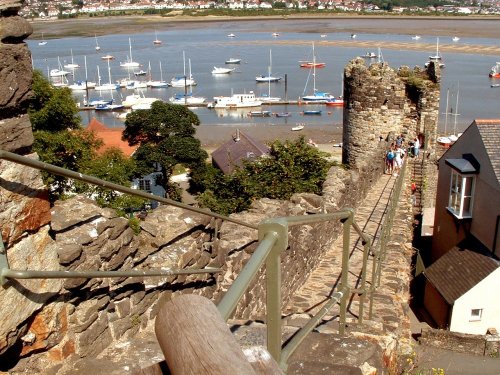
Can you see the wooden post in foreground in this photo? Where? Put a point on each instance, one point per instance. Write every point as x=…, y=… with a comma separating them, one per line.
x=195, y=339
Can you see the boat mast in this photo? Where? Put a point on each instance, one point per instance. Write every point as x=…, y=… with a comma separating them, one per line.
x=456, y=111
x=130, y=49
x=314, y=71
x=446, y=111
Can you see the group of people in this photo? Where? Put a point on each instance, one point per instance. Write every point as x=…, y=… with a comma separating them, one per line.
x=395, y=155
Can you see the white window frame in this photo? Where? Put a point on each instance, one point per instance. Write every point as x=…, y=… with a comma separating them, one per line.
x=476, y=315
x=461, y=194
x=144, y=184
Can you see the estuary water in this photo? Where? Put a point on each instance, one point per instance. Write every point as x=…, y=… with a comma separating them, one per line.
x=465, y=79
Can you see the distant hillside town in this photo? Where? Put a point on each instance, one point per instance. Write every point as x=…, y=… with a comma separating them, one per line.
x=48, y=9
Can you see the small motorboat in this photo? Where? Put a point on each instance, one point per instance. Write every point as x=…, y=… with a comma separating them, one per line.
x=335, y=102
x=140, y=73
x=233, y=60
x=444, y=141
x=311, y=112
x=370, y=55
x=107, y=57
x=311, y=64
x=495, y=85
x=276, y=35
x=217, y=70
x=323, y=36
x=283, y=114
x=231, y=35
x=455, y=39
x=259, y=113
x=298, y=127
x=353, y=36
x=416, y=37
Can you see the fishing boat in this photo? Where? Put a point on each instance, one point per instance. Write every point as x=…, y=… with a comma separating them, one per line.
x=233, y=60
x=237, y=101
x=269, y=77
x=184, y=80
x=42, y=42
x=130, y=63
x=311, y=112
x=335, y=102
x=157, y=41
x=97, y=48
x=217, y=70
x=259, y=113
x=298, y=127
x=495, y=71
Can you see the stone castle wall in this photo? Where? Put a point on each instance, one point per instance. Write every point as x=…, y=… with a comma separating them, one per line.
x=381, y=103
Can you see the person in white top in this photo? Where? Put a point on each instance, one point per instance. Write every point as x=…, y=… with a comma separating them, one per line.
x=416, y=147
x=398, y=160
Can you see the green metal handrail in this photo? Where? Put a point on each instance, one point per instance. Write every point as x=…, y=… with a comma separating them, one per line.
x=273, y=240
x=273, y=237
x=381, y=251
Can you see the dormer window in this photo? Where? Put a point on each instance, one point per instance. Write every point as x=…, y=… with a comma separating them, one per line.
x=461, y=188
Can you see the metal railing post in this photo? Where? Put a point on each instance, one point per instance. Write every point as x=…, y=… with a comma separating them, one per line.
x=273, y=284
x=344, y=280
x=366, y=252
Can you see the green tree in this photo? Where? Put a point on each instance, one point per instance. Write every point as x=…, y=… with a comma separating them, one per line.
x=165, y=135
x=69, y=149
x=291, y=167
x=51, y=108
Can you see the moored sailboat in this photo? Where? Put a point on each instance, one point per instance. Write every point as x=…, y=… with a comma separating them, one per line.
x=130, y=63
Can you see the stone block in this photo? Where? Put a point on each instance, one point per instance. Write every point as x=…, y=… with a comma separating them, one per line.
x=16, y=75
x=17, y=135
x=14, y=28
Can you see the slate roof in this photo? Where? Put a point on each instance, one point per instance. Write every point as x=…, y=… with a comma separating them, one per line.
x=234, y=152
x=111, y=137
x=490, y=134
x=459, y=270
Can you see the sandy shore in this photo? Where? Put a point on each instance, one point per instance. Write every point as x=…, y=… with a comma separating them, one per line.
x=326, y=138
x=471, y=26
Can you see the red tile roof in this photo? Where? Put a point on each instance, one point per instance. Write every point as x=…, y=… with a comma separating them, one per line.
x=111, y=137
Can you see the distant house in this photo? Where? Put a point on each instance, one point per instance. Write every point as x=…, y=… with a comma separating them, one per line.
x=112, y=137
x=461, y=291
x=235, y=152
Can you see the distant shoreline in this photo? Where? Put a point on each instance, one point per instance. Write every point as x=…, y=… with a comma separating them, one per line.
x=472, y=26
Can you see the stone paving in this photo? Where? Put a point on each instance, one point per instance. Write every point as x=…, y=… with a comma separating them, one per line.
x=391, y=295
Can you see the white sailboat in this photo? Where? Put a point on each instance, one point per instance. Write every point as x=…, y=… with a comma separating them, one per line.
x=267, y=98
x=156, y=84
x=72, y=64
x=130, y=63
x=106, y=86
x=269, y=77
x=59, y=72
x=157, y=41
x=183, y=81
x=42, y=42
x=316, y=96
x=437, y=56
x=83, y=85
x=97, y=48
